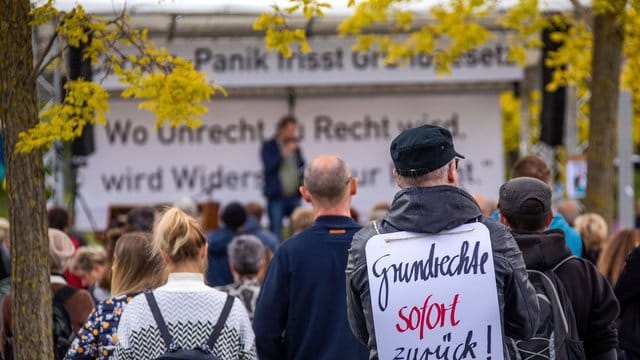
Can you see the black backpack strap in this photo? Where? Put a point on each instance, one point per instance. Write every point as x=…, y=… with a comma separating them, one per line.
x=63, y=294
x=162, y=325
x=221, y=321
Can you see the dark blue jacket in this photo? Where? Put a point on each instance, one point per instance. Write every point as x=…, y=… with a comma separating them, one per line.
x=271, y=160
x=218, y=269
x=269, y=239
x=301, y=311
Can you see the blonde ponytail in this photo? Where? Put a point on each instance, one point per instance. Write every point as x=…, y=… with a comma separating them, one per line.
x=178, y=235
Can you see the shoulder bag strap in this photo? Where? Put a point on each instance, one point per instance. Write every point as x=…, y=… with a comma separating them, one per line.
x=221, y=321
x=375, y=226
x=558, y=265
x=162, y=325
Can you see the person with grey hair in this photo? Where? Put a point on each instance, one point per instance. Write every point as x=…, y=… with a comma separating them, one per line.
x=246, y=259
x=301, y=312
x=430, y=201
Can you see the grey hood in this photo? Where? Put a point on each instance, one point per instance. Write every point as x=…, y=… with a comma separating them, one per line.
x=431, y=209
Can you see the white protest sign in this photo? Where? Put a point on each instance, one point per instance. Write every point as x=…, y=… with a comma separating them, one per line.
x=434, y=296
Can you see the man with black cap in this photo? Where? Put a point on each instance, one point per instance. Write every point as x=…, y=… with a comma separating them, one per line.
x=431, y=202
x=525, y=207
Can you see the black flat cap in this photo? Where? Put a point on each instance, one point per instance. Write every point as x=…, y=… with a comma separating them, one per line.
x=515, y=192
x=418, y=151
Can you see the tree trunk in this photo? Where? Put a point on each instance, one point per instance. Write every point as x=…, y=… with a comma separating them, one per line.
x=25, y=181
x=608, y=36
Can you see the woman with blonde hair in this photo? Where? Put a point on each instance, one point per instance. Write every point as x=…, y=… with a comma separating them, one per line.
x=184, y=317
x=89, y=263
x=615, y=253
x=135, y=269
x=594, y=232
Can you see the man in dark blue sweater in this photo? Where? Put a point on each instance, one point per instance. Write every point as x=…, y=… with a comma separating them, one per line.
x=301, y=311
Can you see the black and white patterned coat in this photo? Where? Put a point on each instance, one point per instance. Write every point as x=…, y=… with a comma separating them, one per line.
x=191, y=310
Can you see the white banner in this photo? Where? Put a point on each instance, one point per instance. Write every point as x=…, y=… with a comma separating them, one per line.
x=435, y=295
x=133, y=164
x=243, y=62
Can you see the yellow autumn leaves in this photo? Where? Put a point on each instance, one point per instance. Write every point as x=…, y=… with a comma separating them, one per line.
x=168, y=86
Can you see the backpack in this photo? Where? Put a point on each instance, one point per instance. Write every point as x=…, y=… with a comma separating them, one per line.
x=172, y=350
x=62, y=329
x=556, y=336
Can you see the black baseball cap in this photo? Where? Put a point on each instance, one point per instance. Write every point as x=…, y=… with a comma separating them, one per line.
x=515, y=192
x=418, y=151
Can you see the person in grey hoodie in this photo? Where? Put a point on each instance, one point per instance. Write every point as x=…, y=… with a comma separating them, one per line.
x=430, y=201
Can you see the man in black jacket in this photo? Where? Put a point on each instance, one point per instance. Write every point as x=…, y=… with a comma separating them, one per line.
x=525, y=207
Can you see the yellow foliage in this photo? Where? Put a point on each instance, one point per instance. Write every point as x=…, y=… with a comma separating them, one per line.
x=73, y=27
x=278, y=35
x=455, y=30
x=168, y=86
x=631, y=70
x=176, y=97
x=526, y=22
x=44, y=13
x=510, y=108
x=535, y=107
x=571, y=63
x=86, y=103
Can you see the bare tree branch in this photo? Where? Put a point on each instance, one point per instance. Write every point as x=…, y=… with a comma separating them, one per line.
x=37, y=70
x=582, y=12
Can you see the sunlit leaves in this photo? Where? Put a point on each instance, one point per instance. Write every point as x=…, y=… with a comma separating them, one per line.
x=454, y=30
x=510, y=107
x=176, y=97
x=168, y=86
x=572, y=61
x=44, y=13
x=525, y=22
x=631, y=70
x=86, y=102
x=278, y=35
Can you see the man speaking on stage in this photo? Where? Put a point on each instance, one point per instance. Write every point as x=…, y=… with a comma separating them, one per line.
x=283, y=168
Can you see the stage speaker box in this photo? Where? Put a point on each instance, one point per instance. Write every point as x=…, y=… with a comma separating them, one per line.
x=552, y=116
x=81, y=68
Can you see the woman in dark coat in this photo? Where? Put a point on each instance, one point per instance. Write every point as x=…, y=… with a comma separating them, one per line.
x=628, y=293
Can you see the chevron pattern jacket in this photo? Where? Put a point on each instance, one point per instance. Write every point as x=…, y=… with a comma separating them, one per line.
x=191, y=310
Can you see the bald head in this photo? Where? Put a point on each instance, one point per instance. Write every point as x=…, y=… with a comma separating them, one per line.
x=569, y=210
x=327, y=179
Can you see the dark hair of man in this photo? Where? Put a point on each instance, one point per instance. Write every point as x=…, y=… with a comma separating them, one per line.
x=531, y=166
x=529, y=219
x=327, y=184
x=285, y=121
x=58, y=218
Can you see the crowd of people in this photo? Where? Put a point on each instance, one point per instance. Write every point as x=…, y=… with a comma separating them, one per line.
x=160, y=284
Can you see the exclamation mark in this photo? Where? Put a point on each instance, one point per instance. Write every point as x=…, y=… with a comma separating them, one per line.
x=488, y=342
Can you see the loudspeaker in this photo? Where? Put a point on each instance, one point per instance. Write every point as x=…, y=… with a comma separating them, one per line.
x=552, y=116
x=81, y=68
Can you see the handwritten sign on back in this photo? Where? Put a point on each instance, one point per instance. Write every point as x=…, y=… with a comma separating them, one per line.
x=434, y=295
